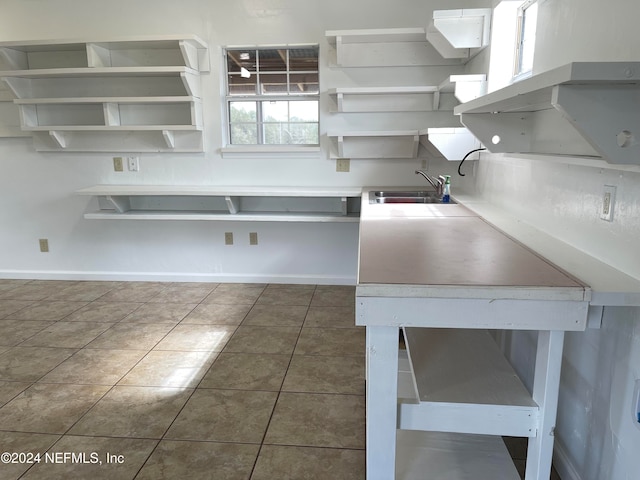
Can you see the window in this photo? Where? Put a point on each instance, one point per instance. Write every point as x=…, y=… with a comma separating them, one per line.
x=273, y=95
x=527, y=19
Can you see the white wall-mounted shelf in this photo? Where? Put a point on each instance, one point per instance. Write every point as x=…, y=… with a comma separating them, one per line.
x=390, y=47
x=460, y=34
x=266, y=204
x=449, y=143
x=392, y=99
x=131, y=94
x=587, y=109
x=375, y=144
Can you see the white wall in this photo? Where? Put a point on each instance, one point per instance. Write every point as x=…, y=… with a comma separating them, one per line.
x=36, y=189
x=597, y=441
x=596, y=436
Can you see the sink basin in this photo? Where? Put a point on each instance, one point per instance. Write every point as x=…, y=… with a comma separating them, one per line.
x=409, y=196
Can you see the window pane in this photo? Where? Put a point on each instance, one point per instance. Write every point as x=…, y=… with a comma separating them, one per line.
x=304, y=83
x=303, y=58
x=237, y=59
x=271, y=84
x=242, y=112
x=275, y=111
x=304, y=133
x=244, y=134
x=272, y=60
x=291, y=133
x=306, y=111
x=242, y=86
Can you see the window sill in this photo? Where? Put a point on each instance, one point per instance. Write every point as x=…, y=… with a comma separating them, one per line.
x=269, y=151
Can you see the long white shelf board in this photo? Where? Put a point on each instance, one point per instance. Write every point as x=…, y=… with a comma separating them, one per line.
x=97, y=100
x=382, y=90
x=438, y=456
x=585, y=109
x=102, y=128
x=78, y=44
x=235, y=217
x=463, y=366
x=382, y=35
x=534, y=93
x=212, y=190
x=98, y=72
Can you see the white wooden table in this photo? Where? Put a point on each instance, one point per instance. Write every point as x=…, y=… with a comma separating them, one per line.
x=445, y=276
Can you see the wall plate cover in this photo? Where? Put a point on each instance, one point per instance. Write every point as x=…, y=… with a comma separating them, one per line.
x=608, y=203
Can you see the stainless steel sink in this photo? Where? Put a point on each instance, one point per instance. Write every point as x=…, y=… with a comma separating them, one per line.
x=408, y=196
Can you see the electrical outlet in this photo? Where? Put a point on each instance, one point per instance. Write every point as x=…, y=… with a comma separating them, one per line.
x=44, y=245
x=228, y=238
x=253, y=238
x=608, y=202
x=133, y=164
x=343, y=165
x=117, y=164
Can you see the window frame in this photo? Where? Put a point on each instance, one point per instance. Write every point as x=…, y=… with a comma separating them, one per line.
x=518, y=72
x=258, y=99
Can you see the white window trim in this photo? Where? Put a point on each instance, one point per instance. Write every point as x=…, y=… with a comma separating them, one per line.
x=517, y=73
x=263, y=151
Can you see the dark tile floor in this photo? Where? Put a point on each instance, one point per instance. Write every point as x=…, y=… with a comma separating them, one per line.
x=182, y=381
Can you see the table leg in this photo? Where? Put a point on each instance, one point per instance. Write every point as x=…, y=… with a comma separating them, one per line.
x=546, y=387
x=382, y=402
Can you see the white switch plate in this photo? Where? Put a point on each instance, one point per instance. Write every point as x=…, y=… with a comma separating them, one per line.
x=134, y=164
x=608, y=202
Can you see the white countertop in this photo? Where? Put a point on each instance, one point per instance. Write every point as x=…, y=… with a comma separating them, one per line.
x=449, y=251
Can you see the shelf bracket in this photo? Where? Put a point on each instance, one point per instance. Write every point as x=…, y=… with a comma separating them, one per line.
x=191, y=84
x=120, y=204
x=607, y=117
x=21, y=87
x=59, y=138
x=344, y=206
x=233, y=204
x=98, y=56
x=194, y=57
x=169, y=138
x=340, y=146
x=190, y=54
x=340, y=101
x=501, y=133
x=594, y=316
x=416, y=145
x=15, y=59
x=111, y=113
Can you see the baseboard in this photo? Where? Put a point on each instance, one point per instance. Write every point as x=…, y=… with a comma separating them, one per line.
x=563, y=464
x=178, y=277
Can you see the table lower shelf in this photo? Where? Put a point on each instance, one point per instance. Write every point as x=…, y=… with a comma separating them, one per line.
x=456, y=380
x=437, y=456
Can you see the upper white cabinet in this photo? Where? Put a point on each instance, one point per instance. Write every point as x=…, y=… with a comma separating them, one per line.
x=136, y=94
x=460, y=33
x=581, y=109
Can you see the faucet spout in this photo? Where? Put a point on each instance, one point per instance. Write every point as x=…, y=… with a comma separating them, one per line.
x=437, y=183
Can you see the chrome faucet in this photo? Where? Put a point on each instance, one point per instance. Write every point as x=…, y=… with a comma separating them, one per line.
x=436, y=182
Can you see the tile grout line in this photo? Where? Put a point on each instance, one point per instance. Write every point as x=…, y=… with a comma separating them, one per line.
x=264, y=436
